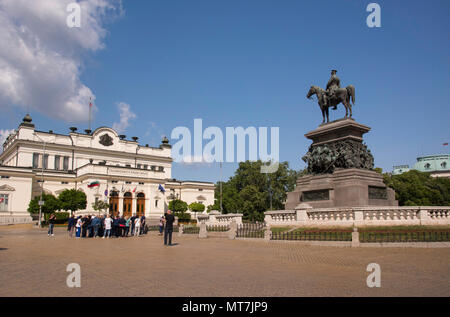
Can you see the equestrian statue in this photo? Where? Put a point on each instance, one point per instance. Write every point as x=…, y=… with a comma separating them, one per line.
x=333, y=96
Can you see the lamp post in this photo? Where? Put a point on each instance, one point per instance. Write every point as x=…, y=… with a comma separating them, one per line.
x=221, y=208
x=42, y=182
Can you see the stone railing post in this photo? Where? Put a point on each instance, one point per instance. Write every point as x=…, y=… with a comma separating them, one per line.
x=203, y=233
x=359, y=217
x=424, y=217
x=301, y=211
x=180, y=230
x=355, y=238
x=268, y=219
x=233, y=230
x=267, y=233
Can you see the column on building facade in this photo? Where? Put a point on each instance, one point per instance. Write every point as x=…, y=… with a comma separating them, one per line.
x=120, y=210
x=134, y=204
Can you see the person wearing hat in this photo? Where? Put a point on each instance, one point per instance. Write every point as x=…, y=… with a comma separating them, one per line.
x=333, y=84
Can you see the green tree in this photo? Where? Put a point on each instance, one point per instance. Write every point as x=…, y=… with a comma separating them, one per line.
x=100, y=205
x=73, y=200
x=415, y=188
x=213, y=207
x=250, y=192
x=196, y=207
x=178, y=205
x=51, y=204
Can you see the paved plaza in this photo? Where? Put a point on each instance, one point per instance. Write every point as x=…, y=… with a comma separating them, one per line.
x=33, y=264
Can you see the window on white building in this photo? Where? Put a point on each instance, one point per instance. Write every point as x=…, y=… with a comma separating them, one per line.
x=35, y=160
x=4, y=202
x=66, y=163
x=45, y=161
x=57, y=162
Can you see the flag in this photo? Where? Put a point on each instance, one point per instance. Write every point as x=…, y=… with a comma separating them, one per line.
x=106, y=192
x=134, y=189
x=90, y=103
x=161, y=188
x=446, y=143
x=94, y=184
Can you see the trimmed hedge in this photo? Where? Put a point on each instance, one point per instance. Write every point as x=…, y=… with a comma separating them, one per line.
x=61, y=217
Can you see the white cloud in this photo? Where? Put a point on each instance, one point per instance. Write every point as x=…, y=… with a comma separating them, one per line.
x=125, y=116
x=193, y=160
x=3, y=135
x=41, y=58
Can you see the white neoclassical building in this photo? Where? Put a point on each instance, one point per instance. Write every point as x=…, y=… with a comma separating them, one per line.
x=130, y=175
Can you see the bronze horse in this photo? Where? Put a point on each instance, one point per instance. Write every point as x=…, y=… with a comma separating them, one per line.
x=341, y=95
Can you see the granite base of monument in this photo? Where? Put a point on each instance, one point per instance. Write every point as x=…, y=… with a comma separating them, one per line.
x=343, y=188
x=340, y=170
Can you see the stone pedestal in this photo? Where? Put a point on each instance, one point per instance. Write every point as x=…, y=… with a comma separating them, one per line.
x=340, y=170
x=343, y=188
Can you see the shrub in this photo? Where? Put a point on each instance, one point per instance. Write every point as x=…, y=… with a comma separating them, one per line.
x=182, y=216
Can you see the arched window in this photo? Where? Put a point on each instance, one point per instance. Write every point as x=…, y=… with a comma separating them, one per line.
x=140, y=204
x=444, y=164
x=114, y=202
x=127, y=204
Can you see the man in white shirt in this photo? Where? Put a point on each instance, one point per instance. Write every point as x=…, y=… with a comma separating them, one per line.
x=137, y=226
x=108, y=222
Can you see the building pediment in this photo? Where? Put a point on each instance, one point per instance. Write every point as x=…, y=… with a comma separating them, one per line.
x=105, y=137
x=7, y=188
x=201, y=198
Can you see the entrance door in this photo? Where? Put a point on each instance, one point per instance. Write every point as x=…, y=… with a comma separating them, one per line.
x=127, y=204
x=114, y=203
x=140, y=204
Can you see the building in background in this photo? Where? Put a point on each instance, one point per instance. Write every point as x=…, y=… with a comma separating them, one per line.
x=133, y=179
x=437, y=165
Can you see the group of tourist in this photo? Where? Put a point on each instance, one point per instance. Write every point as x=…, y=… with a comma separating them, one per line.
x=105, y=226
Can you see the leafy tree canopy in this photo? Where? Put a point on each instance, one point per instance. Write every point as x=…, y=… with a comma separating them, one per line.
x=415, y=188
x=197, y=207
x=51, y=204
x=73, y=200
x=100, y=205
x=178, y=205
x=249, y=190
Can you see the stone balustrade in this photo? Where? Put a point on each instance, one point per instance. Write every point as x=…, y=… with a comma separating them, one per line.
x=304, y=215
x=8, y=219
x=216, y=218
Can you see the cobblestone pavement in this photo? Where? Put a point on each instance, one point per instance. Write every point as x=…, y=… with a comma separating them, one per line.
x=33, y=264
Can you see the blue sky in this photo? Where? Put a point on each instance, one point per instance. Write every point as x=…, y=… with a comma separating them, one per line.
x=251, y=63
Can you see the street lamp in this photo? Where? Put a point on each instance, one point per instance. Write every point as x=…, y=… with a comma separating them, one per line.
x=42, y=182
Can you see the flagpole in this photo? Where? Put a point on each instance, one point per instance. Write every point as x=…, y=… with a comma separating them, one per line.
x=90, y=110
x=221, y=209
